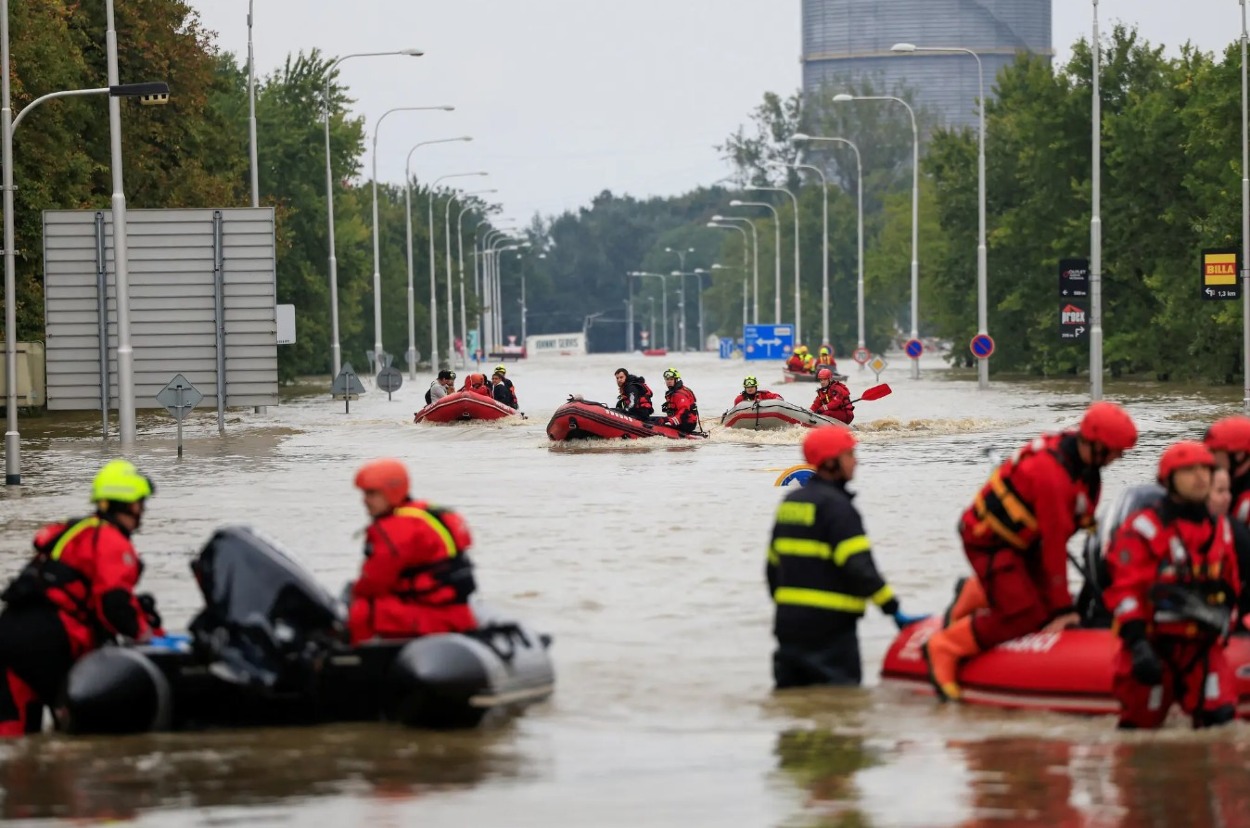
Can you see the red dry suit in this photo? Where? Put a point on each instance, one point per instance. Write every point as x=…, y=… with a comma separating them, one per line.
x=77, y=593
x=682, y=408
x=416, y=578
x=477, y=384
x=759, y=395
x=1182, y=545
x=835, y=402
x=1016, y=531
x=826, y=361
x=796, y=363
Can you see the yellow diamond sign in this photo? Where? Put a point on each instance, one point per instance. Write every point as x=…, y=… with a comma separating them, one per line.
x=877, y=364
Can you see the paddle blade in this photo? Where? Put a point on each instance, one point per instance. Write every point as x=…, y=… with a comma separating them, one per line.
x=877, y=392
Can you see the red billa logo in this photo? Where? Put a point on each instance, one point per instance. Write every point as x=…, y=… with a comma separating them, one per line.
x=1072, y=315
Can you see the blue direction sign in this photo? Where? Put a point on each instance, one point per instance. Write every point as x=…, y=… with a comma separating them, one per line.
x=914, y=348
x=982, y=346
x=768, y=341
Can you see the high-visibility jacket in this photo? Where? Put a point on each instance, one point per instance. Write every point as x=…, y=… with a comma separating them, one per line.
x=820, y=569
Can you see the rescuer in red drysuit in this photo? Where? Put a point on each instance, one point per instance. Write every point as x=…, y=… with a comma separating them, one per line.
x=76, y=594
x=1015, y=535
x=680, y=406
x=416, y=578
x=833, y=399
x=751, y=392
x=1173, y=591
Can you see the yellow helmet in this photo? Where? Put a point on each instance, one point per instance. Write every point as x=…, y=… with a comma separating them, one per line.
x=824, y=352
x=672, y=373
x=750, y=382
x=120, y=482
x=500, y=369
x=800, y=349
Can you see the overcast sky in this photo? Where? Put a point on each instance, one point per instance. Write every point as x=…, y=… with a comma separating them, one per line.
x=566, y=98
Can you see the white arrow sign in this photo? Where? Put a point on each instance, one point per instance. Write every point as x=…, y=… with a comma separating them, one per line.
x=1210, y=292
x=1079, y=331
x=768, y=342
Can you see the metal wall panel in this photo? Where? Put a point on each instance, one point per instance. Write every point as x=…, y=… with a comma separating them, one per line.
x=173, y=326
x=850, y=40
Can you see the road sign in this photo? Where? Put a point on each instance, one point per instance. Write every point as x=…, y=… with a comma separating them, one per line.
x=346, y=385
x=1219, y=274
x=389, y=379
x=726, y=347
x=1073, y=278
x=284, y=315
x=982, y=346
x=878, y=364
x=914, y=348
x=768, y=341
x=1073, y=321
x=179, y=397
x=861, y=355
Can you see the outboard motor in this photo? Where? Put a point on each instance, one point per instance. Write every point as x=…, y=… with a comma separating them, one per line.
x=114, y=690
x=265, y=623
x=1093, y=611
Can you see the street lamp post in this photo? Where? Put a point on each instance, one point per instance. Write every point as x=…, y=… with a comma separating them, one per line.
x=464, y=319
x=681, y=255
x=1095, y=224
x=983, y=363
x=497, y=298
x=859, y=186
x=1245, y=219
x=798, y=299
x=488, y=311
x=915, y=213
x=335, y=351
x=755, y=288
x=251, y=109
x=700, y=272
x=412, y=325
x=433, y=273
x=824, y=243
x=377, y=264
x=8, y=127
x=663, y=300
x=776, y=251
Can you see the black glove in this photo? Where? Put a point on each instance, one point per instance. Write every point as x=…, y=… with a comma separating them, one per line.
x=147, y=603
x=1146, y=665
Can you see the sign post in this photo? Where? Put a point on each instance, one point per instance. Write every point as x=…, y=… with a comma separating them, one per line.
x=1220, y=267
x=878, y=364
x=346, y=384
x=179, y=397
x=1073, y=300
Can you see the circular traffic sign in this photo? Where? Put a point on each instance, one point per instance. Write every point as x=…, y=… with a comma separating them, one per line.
x=982, y=346
x=914, y=348
x=861, y=355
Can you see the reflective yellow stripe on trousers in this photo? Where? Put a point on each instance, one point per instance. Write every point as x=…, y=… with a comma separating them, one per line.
x=819, y=599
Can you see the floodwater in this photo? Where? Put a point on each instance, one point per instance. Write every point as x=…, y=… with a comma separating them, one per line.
x=645, y=562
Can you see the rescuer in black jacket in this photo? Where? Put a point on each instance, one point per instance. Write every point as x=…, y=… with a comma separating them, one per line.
x=821, y=573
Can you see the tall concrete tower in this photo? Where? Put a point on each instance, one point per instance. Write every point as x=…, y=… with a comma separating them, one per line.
x=851, y=39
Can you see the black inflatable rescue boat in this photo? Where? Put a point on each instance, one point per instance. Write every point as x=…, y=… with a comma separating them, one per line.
x=267, y=650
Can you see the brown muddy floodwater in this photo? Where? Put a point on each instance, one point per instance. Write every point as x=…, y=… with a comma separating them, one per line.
x=645, y=562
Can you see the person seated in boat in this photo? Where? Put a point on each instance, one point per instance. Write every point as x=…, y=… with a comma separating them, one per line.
x=441, y=387
x=681, y=409
x=75, y=595
x=416, y=578
x=1229, y=442
x=501, y=387
x=751, y=392
x=1015, y=535
x=796, y=362
x=1173, y=590
x=477, y=384
x=820, y=572
x=833, y=399
x=633, y=396
x=826, y=360
x=1219, y=502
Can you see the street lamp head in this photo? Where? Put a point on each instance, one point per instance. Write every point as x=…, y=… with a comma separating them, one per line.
x=721, y=267
x=843, y=97
x=903, y=47
x=799, y=137
x=675, y=273
x=736, y=203
x=447, y=108
x=718, y=218
x=411, y=52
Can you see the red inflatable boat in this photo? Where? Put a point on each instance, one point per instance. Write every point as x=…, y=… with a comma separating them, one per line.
x=460, y=406
x=802, y=376
x=582, y=420
x=1067, y=672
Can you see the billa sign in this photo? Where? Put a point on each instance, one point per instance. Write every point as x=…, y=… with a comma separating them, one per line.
x=1073, y=321
x=1073, y=299
x=1220, y=272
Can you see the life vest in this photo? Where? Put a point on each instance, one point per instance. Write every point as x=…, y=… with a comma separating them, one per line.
x=47, y=578
x=1196, y=556
x=1001, y=513
x=686, y=415
x=644, y=404
x=826, y=359
x=795, y=363
x=447, y=580
x=507, y=383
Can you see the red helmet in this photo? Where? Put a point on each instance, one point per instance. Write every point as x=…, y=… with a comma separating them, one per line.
x=386, y=476
x=1107, y=424
x=1230, y=434
x=824, y=374
x=827, y=443
x=1183, y=455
